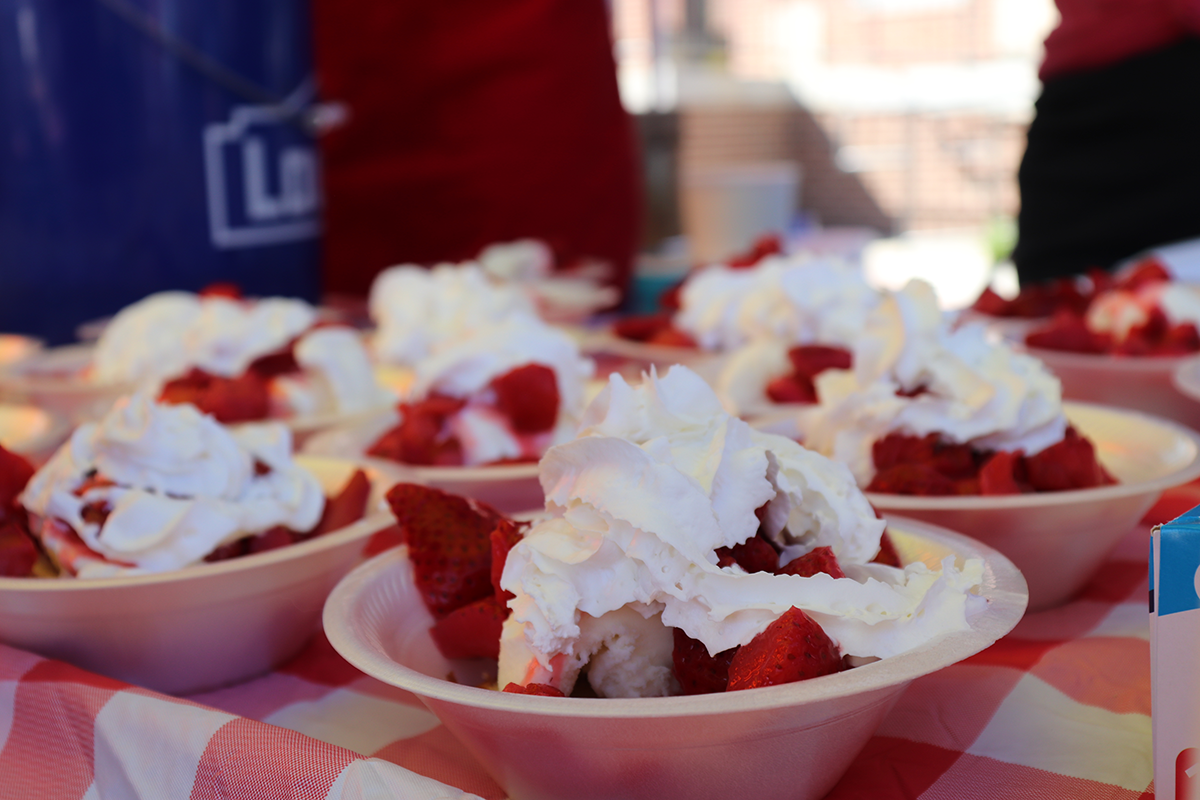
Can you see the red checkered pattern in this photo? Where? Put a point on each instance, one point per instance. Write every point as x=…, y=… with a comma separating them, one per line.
x=1058, y=709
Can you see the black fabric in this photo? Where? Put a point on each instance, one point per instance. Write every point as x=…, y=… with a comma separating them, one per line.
x=1112, y=165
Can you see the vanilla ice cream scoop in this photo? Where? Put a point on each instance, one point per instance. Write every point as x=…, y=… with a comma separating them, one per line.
x=659, y=479
x=174, y=485
x=794, y=300
x=416, y=309
x=915, y=375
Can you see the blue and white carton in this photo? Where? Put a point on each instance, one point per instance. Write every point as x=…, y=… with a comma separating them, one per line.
x=1175, y=656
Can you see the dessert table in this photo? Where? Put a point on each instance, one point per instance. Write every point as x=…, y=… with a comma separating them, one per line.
x=1058, y=709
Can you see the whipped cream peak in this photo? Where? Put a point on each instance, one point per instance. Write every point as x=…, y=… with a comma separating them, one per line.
x=166, y=334
x=659, y=478
x=415, y=309
x=174, y=485
x=965, y=388
x=521, y=260
x=796, y=299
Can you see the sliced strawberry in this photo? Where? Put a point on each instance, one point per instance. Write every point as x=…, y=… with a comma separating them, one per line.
x=227, y=289
x=472, y=631
x=915, y=479
x=540, y=689
x=347, y=506
x=997, y=475
x=641, y=328
x=229, y=400
x=1069, y=464
x=1067, y=331
x=15, y=472
x=280, y=362
x=502, y=539
x=421, y=436
x=449, y=544
x=792, y=648
x=697, y=671
x=529, y=397
x=755, y=554
x=791, y=389
x=672, y=337
x=819, y=559
x=271, y=539
x=768, y=244
x=670, y=299
x=887, y=552
x=811, y=360
x=18, y=553
x=955, y=461
x=386, y=539
x=235, y=549
x=1144, y=273
x=897, y=449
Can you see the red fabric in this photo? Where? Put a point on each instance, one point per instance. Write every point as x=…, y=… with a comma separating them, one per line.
x=1096, y=33
x=471, y=123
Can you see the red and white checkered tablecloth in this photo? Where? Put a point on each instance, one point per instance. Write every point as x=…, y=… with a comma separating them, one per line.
x=1058, y=709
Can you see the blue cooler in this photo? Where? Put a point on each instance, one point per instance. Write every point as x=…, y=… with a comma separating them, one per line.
x=149, y=145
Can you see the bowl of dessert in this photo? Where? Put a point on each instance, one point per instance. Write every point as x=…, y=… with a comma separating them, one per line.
x=1119, y=339
x=161, y=548
x=948, y=427
x=762, y=295
x=237, y=359
x=481, y=409
x=702, y=607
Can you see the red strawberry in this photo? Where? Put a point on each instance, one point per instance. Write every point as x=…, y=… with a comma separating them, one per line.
x=997, y=475
x=672, y=337
x=235, y=549
x=529, y=397
x=227, y=289
x=813, y=359
x=18, y=553
x=448, y=544
x=768, y=244
x=241, y=399
x=641, y=328
x=887, y=552
x=791, y=389
x=540, y=689
x=753, y=555
x=670, y=299
x=915, y=479
x=502, y=539
x=280, y=362
x=271, y=539
x=955, y=461
x=472, y=631
x=819, y=559
x=792, y=648
x=1067, y=331
x=1069, y=464
x=346, y=507
x=696, y=670
x=1143, y=273
x=897, y=449
x=420, y=438
x=15, y=472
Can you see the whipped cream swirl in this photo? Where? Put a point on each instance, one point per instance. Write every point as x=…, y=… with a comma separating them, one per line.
x=177, y=485
x=795, y=300
x=166, y=334
x=416, y=309
x=658, y=479
x=969, y=390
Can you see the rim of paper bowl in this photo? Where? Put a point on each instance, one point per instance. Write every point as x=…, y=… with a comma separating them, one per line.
x=1177, y=477
x=1007, y=602
x=1186, y=377
x=1067, y=358
x=371, y=522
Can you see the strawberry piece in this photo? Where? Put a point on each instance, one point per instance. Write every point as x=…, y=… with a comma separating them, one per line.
x=887, y=552
x=792, y=648
x=642, y=327
x=15, y=472
x=819, y=559
x=280, y=362
x=502, y=539
x=229, y=400
x=1069, y=464
x=768, y=244
x=540, y=689
x=271, y=539
x=472, y=631
x=235, y=549
x=697, y=671
x=672, y=337
x=529, y=397
x=670, y=299
x=915, y=479
x=997, y=476
x=1067, y=331
x=421, y=436
x=955, y=461
x=346, y=507
x=991, y=304
x=791, y=389
x=813, y=359
x=449, y=544
x=18, y=553
x=897, y=449
x=227, y=289
x=1144, y=273
x=753, y=555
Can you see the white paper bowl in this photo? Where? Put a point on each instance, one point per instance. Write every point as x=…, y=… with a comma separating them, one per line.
x=510, y=488
x=1141, y=383
x=1058, y=539
x=200, y=627
x=791, y=741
